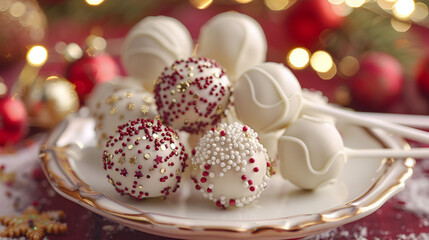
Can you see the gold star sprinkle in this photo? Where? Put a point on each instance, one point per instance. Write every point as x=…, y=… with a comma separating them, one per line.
x=112, y=100
x=173, y=146
x=147, y=99
x=128, y=94
x=216, y=75
x=130, y=147
x=163, y=147
x=182, y=87
x=172, y=92
x=121, y=160
x=162, y=170
x=113, y=111
x=111, y=182
x=190, y=68
x=219, y=109
x=144, y=109
x=131, y=106
x=174, y=100
x=173, y=67
x=140, y=186
x=151, y=169
x=186, y=122
x=191, y=74
x=133, y=160
x=177, y=170
x=121, y=116
x=147, y=156
x=196, y=96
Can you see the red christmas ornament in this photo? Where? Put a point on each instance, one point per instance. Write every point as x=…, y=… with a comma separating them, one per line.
x=308, y=18
x=88, y=71
x=422, y=76
x=378, y=82
x=13, y=120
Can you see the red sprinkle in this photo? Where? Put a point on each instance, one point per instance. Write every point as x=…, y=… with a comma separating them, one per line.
x=232, y=202
x=245, y=129
x=256, y=169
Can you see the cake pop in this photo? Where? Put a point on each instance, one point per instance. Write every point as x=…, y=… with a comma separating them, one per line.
x=234, y=40
x=268, y=97
x=229, y=165
x=153, y=44
x=120, y=107
x=144, y=159
x=312, y=153
x=192, y=94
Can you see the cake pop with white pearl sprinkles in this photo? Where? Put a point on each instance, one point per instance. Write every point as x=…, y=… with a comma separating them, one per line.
x=192, y=94
x=229, y=165
x=144, y=159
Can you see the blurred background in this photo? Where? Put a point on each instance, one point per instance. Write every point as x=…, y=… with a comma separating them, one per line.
x=369, y=55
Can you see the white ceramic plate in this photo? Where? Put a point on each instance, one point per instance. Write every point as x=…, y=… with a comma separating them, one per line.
x=73, y=166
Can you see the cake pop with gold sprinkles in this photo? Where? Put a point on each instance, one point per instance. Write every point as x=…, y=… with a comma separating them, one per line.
x=192, y=94
x=120, y=107
x=144, y=159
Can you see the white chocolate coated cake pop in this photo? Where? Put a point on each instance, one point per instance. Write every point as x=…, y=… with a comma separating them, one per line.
x=100, y=91
x=153, y=44
x=311, y=153
x=120, y=107
x=192, y=94
x=229, y=165
x=267, y=97
x=144, y=159
x=234, y=40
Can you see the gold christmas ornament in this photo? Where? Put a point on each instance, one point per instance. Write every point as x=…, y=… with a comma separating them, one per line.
x=50, y=100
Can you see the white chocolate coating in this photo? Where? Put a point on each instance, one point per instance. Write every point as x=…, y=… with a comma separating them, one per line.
x=192, y=94
x=234, y=40
x=100, y=91
x=153, y=44
x=315, y=97
x=311, y=153
x=120, y=107
x=267, y=97
x=229, y=165
x=144, y=159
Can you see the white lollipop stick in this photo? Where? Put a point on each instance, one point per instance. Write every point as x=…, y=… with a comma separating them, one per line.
x=417, y=121
x=388, y=153
x=352, y=117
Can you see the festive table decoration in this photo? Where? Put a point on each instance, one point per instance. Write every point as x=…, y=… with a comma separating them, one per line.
x=94, y=67
x=33, y=224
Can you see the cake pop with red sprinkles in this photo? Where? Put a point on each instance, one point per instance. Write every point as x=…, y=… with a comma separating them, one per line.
x=192, y=94
x=144, y=159
x=229, y=165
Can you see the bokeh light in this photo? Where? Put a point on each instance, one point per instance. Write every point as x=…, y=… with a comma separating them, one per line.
x=336, y=2
x=94, y=2
x=298, y=58
x=420, y=12
x=277, y=5
x=201, y=4
x=37, y=56
x=17, y=9
x=321, y=61
x=400, y=26
x=355, y=3
x=404, y=8
x=349, y=66
x=243, y=1
x=328, y=74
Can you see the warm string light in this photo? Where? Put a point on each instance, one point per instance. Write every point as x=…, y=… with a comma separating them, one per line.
x=201, y=4
x=404, y=8
x=37, y=56
x=298, y=58
x=94, y=2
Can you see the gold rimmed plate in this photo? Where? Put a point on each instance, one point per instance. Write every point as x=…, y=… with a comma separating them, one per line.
x=73, y=166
